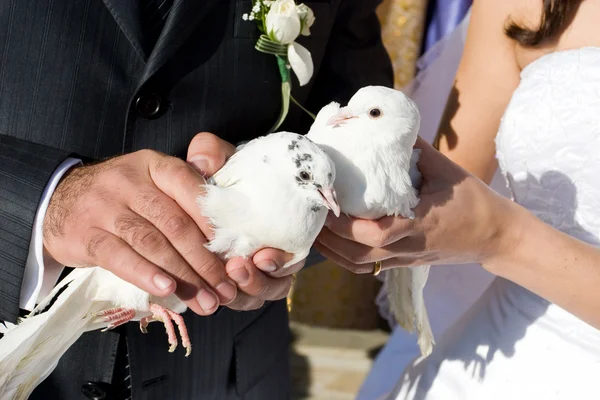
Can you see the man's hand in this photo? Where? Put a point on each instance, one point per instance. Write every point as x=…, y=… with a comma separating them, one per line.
x=136, y=216
x=261, y=278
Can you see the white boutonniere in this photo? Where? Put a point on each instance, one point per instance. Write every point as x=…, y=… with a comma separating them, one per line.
x=280, y=23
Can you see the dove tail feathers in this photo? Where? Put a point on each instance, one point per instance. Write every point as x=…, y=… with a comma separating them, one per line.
x=419, y=277
x=425, y=339
x=405, y=293
x=30, y=351
x=398, y=281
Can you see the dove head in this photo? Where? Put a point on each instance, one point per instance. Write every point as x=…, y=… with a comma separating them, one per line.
x=310, y=169
x=379, y=110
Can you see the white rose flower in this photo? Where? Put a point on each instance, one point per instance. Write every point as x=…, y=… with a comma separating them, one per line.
x=307, y=18
x=283, y=22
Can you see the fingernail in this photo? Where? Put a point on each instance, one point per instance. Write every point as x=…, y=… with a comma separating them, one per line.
x=163, y=282
x=267, y=266
x=206, y=300
x=200, y=164
x=227, y=291
x=240, y=276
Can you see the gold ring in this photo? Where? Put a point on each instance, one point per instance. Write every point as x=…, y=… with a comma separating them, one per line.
x=377, y=268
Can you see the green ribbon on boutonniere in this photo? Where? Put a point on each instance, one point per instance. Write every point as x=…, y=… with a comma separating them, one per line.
x=280, y=23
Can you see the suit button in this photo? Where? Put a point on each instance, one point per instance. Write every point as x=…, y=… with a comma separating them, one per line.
x=148, y=105
x=93, y=391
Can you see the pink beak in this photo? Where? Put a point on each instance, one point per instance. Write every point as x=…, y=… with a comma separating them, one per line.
x=341, y=117
x=330, y=200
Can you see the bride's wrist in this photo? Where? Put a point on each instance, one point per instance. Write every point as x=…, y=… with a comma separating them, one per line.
x=512, y=224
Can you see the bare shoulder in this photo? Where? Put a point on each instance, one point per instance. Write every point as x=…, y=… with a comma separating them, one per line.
x=486, y=43
x=579, y=30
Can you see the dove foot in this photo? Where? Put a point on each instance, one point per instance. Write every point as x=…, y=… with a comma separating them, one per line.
x=116, y=316
x=167, y=317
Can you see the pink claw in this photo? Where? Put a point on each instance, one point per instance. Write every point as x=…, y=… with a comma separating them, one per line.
x=185, y=338
x=165, y=315
x=161, y=314
x=120, y=315
x=116, y=316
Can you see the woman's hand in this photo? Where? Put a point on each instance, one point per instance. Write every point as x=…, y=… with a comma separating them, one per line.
x=459, y=219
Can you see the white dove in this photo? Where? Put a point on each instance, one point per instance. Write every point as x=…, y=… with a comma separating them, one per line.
x=273, y=192
x=371, y=143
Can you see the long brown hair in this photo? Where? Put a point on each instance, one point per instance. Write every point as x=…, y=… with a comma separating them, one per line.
x=555, y=15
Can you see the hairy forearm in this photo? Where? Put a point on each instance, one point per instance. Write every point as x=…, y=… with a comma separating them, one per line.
x=556, y=266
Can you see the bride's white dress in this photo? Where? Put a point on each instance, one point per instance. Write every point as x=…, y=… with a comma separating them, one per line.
x=512, y=344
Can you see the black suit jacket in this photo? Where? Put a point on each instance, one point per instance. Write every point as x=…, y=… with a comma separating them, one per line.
x=78, y=78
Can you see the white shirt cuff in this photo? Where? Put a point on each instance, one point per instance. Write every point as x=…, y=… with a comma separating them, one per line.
x=41, y=271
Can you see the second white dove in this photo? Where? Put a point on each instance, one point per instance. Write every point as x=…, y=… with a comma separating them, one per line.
x=371, y=143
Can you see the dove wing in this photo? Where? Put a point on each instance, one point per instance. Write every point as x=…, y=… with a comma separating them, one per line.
x=227, y=208
x=30, y=351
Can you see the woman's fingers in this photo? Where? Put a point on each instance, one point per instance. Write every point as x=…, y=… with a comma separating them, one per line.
x=373, y=233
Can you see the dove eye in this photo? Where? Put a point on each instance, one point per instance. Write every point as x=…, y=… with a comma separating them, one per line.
x=305, y=176
x=375, y=113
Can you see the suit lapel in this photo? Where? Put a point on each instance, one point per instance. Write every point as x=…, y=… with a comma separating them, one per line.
x=127, y=15
x=181, y=22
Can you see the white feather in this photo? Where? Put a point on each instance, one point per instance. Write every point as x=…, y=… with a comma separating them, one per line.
x=30, y=351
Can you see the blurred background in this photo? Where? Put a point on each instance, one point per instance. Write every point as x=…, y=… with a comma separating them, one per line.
x=335, y=321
